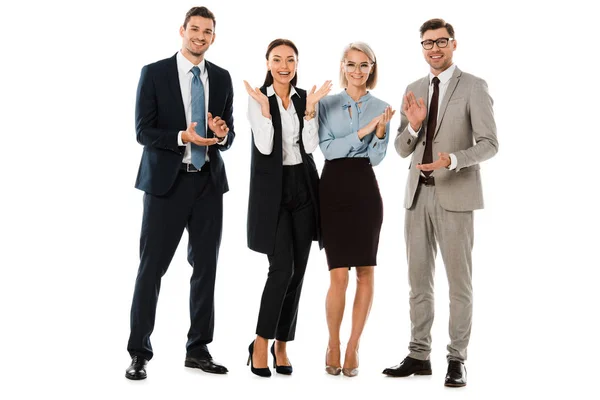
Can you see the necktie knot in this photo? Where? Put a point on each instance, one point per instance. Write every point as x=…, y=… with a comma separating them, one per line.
x=196, y=71
x=435, y=81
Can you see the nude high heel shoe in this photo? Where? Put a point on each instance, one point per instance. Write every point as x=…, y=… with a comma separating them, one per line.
x=351, y=372
x=331, y=370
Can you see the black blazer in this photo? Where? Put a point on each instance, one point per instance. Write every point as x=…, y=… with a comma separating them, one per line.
x=159, y=116
x=266, y=182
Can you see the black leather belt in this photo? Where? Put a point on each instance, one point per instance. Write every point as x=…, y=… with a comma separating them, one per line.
x=429, y=181
x=191, y=168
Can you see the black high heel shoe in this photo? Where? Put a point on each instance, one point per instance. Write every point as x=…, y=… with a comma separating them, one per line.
x=281, y=369
x=264, y=372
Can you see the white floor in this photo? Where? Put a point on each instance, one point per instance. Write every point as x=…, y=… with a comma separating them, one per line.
x=522, y=346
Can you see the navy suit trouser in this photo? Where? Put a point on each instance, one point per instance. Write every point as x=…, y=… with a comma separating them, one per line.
x=195, y=205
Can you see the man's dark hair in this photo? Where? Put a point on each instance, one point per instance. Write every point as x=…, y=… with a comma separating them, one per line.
x=434, y=24
x=199, y=12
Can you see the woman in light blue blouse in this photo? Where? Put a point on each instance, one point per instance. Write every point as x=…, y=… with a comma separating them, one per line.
x=353, y=135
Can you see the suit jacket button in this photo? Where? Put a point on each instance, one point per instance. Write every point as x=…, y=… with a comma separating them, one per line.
x=423, y=143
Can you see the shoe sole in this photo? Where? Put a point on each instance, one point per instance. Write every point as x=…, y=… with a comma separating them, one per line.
x=455, y=384
x=191, y=364
x=135, y=378
x=424, y=372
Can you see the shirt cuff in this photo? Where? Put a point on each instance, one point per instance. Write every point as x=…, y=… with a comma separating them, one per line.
x=311, y=123
x=224, y=141
x=453, y=162
x=412, y=131
x=179, y=141
x=376, y=140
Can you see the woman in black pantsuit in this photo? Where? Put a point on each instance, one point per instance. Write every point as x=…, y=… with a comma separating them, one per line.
x=283, y=209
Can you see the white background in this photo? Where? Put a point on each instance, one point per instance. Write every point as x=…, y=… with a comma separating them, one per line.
x=70, y=216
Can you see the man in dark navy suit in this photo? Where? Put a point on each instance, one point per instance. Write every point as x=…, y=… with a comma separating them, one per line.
x=184, y=119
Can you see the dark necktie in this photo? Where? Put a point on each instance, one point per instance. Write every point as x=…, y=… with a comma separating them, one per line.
x=431, y=124
x=199, y=116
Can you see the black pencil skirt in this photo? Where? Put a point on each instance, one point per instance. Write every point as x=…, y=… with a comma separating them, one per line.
x=351, y=212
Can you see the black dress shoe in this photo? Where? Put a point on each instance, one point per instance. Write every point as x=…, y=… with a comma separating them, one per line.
x=409, y=366
x=205, y=363
x=137, y=370
x=280, y=369
x=457, y=374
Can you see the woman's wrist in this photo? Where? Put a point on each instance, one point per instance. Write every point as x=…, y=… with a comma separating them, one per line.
x=309, y=114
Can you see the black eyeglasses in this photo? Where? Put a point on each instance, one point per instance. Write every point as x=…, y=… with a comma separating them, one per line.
x=441, y=43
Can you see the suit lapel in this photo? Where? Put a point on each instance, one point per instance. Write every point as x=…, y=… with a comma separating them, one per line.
x=212, y=93
x=300, y=106
x=175, y=88
x=422, y=92
x=451, y=87
x=276, y=119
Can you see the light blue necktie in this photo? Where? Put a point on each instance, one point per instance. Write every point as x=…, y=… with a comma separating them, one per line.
x=199, y=116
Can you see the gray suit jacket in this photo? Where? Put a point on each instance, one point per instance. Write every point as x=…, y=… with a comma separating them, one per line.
x=466, y=128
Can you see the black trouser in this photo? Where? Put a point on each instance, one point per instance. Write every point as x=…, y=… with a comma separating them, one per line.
x=193, y=204
x=295, y=232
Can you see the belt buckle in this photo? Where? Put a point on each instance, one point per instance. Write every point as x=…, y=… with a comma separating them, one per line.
x=187, y=168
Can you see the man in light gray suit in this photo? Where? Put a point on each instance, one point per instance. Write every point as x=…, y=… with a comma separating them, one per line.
x=457, y=125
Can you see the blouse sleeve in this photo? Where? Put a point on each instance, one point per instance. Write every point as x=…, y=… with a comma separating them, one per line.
x=262, y=127
x=378, y=147
x=310, y=134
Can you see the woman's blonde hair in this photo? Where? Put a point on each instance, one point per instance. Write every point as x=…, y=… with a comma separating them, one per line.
x=368, y=51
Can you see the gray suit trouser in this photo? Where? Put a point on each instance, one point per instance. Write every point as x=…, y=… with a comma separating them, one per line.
x=425, y=223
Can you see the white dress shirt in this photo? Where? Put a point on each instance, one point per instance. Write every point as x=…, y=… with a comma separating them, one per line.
x=444, y=78
x=263, y=130
x=184, y=70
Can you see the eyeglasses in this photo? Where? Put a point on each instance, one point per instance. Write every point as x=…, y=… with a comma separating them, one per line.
x=441, y=43
x=364, y=67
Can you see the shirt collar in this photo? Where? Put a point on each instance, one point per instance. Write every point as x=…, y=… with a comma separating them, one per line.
x=271, y=91
x=445, y=76
x=185, y=66
x=350, y=100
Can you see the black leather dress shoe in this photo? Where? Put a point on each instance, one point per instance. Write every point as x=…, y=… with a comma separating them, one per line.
x=205, y=363
x=409, y=366
x=456, y=375
x=137, y=369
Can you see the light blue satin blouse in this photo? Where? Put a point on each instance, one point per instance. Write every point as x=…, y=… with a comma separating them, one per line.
x=338, y=131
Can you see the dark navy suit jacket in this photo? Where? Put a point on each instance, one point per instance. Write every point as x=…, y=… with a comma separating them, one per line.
x=159, y=116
